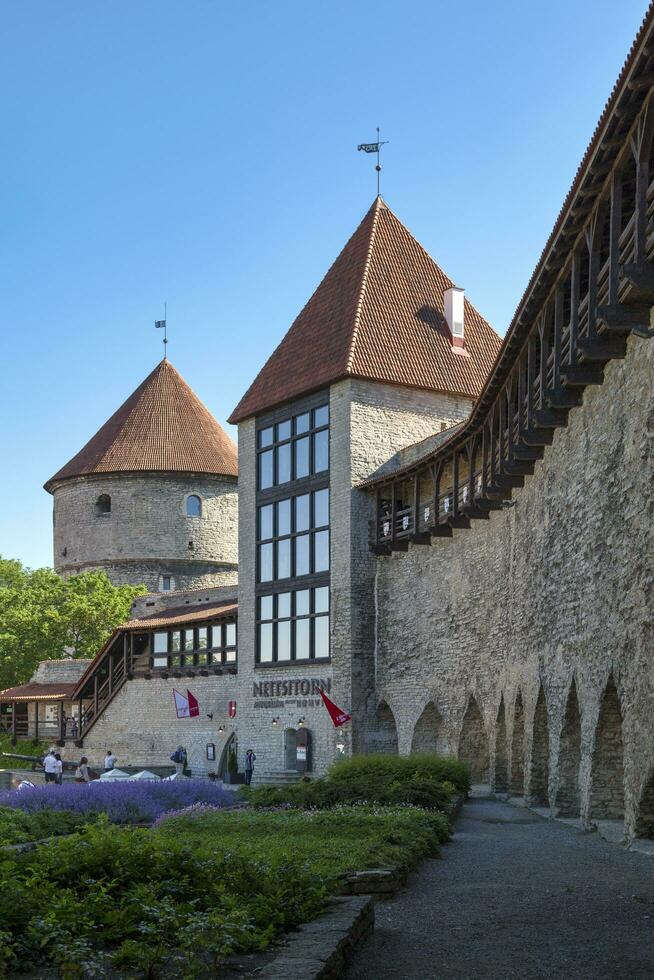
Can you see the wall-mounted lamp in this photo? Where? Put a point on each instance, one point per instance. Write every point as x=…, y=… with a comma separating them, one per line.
x=275, y=722
x=221, y=730
x=210, y=715
x=301, y=722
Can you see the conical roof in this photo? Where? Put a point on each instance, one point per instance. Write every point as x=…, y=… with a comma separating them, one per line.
x=163, y=426
x=378, y=314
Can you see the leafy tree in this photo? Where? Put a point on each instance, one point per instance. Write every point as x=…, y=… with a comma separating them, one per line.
x=43, y=617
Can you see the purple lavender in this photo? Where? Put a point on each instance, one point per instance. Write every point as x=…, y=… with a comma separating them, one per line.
x=124, y=801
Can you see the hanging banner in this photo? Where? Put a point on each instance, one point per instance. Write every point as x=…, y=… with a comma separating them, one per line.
x=231, y=709
x=186, y=707
x=337, y=715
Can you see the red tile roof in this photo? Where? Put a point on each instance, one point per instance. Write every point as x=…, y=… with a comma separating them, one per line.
x=38, y=692
x=378, y=315
x=180, y=615
x=163, y=426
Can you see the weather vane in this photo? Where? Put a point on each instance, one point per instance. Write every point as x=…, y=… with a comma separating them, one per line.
x=374, y=148
x=161, y=325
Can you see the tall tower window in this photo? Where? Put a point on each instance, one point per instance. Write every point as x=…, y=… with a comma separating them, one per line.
x=193, y=506
x=103, y=505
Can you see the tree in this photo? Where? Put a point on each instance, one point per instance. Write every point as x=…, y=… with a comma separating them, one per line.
x=43, y=617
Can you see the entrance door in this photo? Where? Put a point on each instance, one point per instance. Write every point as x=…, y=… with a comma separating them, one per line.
x=290, y=749
x=297, y=749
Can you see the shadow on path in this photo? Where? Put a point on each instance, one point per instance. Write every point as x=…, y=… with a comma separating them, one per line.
x=517, y=896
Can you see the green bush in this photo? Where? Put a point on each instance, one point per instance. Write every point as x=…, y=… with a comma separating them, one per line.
x=18, y=827
x=423, y=780
x=23, y=746
x=140, y=900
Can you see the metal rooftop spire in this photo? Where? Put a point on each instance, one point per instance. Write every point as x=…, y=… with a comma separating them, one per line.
x=374, y=148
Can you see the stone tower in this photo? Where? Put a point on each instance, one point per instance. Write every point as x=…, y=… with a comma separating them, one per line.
x=152, y=497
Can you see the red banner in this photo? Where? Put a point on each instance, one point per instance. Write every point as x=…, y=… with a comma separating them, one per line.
x=193, y=706
x=337, y=715
x=231, y=709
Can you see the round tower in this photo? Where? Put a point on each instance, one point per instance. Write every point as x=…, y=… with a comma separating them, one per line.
x=152, y=498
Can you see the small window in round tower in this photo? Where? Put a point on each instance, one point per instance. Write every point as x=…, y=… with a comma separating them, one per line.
x=193, y=506
x=103, y=505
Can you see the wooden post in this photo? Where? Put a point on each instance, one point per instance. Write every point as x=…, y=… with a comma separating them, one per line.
x=614, y=237
x=455, y=483
x=80, y=711
x=640, y=146
x=558, y=331
x=592, y=243
x=62, y=723
x=531, y=354
x=544, y=354
x=416, y=502
x=125, y=655
x=377, y=515
x=574, y=302
x=484, y=458
x=13, y=719
x=36, y=719
x=110, y=661
x=393, y=508
x=95, y=694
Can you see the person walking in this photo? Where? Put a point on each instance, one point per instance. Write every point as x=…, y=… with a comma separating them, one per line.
x=179, y=757
x=50, y=766
x=250, y=759
x=82, y=774
x=110, y=761
x=59, y=774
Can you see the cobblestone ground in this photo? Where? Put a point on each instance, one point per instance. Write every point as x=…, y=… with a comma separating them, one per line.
x=517, y=896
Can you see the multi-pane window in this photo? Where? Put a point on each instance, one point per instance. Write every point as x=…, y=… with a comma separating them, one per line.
x=293, y=626
x=293, y=536
x=195, y=647
x=295, y=448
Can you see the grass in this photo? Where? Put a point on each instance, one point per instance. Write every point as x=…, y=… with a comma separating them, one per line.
x=24, y=746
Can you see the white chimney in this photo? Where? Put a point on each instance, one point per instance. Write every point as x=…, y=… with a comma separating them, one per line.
x=454, y=312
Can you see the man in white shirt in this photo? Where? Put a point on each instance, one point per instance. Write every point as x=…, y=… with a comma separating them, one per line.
x=51, y=767
x=110, y=760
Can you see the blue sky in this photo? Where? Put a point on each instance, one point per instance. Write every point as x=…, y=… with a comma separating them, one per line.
x=204, y=153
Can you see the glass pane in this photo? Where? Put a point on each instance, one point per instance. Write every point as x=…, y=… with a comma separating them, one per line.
x=321, y=416
x=266, y=469
x=216, y=636
x=202, y=638
x=265, y=437
x=321, y=451
x=302, y=639
x=177, y=660
x=302, y=423
x=265, y=562
x=283, y=605
x=321, y=508
x=284, y=558
x=161, y=643
x=302, y=457
x=230, y=634
x=202, y=659
x=321, y=636
x=193, y=506
x=302, y=512
x=321, y=551
x=284, y=463
x=302, y=555
x=265, y=522
x=284, y=430
x=283, y=518
x=230, y=656
x=189, y=640
x=302, y=602
x=265, y=642
x=284, y=640
x=160, y=662
x=266, y=607
x=321, y=600
x=176, y=640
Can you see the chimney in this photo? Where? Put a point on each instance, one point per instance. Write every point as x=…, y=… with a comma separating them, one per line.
x=454, y=314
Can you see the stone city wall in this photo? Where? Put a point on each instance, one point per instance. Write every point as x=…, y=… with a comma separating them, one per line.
x=526, y=642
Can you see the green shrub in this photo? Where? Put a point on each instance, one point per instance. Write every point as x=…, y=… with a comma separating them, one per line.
x=423, y=780
x=23, y=746
x=18, y=827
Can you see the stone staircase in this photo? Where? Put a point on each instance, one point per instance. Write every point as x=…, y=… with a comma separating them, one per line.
x=276, y=777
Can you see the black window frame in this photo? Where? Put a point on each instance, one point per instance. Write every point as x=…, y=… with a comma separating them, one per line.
x=212, y=655
x=311, y=617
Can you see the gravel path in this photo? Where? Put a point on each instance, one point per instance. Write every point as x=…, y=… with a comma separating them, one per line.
x=517, y=896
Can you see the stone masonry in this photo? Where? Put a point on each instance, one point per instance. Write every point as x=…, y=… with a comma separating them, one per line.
x=148, y=534
x=550, y=597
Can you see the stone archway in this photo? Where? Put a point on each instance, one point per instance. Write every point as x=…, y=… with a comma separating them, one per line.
x=645, y=819
x=384, y=738
x=518, y=748
x=429, y=733
x=501, y=783
x=540, y=753
x=607, y=787
x=567, y=795
x=473, y=743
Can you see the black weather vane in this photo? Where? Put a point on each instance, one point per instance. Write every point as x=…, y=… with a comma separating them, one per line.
x=162, y=325
x=374, y=148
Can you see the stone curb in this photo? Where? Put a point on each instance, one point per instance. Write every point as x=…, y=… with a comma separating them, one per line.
x=321, y=949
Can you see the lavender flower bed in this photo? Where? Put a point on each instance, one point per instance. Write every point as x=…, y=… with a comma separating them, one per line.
x=123, y=802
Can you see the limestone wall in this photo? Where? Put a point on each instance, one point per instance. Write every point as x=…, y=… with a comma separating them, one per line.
x=559, y=587
x=59, y=671
x=148, y=533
